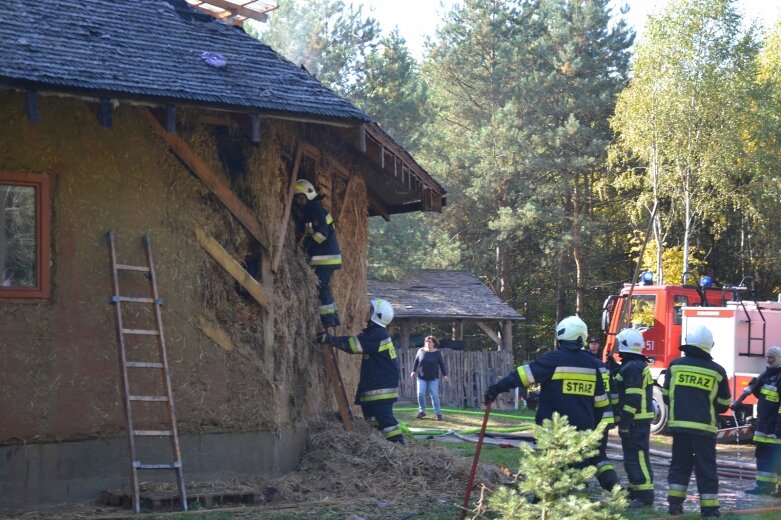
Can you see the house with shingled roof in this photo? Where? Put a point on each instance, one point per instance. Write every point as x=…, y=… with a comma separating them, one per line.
x=173, y=130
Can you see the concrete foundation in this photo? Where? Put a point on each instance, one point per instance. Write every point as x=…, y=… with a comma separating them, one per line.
x=74, y=471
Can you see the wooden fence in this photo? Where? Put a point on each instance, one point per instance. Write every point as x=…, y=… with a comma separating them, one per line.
x=470, y=374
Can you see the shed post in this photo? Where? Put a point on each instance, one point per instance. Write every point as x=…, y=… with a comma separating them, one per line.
x=404, y=333
x=507, y=335
x=458, y=330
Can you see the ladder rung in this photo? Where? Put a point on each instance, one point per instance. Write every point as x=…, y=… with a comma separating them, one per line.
x=126, y=267
x=134, y=299
x=143, y=364
x=153, y=398
x=153, y=433
x=141, y=331
x=175, y=465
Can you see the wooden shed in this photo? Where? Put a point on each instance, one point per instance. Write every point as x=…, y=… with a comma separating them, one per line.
x=451, y=297
x=147, y=118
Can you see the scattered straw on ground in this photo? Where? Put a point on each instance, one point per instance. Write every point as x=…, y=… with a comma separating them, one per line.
x=338, y=467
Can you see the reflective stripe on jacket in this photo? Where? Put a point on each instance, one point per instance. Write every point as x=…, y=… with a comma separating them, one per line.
x=320, y=243
x=635, y=387
x=571, y=384
x=697, y=390
x=379, y=368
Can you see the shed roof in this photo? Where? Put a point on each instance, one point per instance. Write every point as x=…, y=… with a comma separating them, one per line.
x=442, y=294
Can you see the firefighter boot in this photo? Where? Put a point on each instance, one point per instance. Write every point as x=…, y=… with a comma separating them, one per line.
x=710, y=512
x=761, y=489
x=675, y=508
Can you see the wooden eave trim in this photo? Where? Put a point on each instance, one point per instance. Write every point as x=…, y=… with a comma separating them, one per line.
x=216, y=185
x=95, y=95
x=386, y=144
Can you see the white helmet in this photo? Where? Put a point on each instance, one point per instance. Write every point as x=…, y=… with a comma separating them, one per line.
x=305, y=187
x=775, y=351
x=700, y=337
x=630, y=341
x=382, y=312
x=572, y=328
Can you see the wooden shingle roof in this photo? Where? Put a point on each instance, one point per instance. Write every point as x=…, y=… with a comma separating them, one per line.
x=155, y=50
x=442, y=294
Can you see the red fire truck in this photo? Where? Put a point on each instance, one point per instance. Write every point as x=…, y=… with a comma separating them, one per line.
x=742, y=329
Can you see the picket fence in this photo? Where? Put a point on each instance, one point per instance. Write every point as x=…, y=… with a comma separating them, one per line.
x=470, y=374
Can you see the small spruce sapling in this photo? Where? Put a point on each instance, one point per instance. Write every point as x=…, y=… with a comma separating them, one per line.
x=549, y=487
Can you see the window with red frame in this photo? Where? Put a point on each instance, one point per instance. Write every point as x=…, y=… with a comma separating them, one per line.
x=24, y=236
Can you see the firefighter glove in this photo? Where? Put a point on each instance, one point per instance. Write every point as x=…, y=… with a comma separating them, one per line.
x=309, y=229
x=323, y=338
x=492, y=393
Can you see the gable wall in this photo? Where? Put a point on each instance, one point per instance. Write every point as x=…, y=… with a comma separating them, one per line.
x=59, y=376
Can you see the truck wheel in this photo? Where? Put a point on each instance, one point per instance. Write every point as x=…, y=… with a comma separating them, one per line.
x=661, y=412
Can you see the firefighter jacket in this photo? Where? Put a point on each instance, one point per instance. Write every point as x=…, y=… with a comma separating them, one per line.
x=765, y=388
x=697, y=390
x=320, y=243
x=635, y=387
x=379, y=380
x=570, y=383
x=604, y=415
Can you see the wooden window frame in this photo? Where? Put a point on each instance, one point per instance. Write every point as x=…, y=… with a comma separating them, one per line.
x=42, y=185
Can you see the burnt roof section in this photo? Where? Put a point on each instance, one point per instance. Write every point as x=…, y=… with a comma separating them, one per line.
x=152, y=49
x=442, y=294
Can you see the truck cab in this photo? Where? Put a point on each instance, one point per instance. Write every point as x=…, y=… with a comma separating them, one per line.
x=657, y=311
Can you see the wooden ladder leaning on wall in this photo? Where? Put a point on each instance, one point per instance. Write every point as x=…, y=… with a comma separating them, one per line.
x=159, y=364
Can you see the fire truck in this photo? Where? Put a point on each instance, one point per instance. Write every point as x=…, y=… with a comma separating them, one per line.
x=742, y=328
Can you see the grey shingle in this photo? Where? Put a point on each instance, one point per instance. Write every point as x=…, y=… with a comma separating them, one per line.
x=442, y=294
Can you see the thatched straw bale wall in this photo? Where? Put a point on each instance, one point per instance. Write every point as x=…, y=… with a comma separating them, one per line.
x=59, y=376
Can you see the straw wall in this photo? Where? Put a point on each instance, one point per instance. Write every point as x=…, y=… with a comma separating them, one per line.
x=59, y=376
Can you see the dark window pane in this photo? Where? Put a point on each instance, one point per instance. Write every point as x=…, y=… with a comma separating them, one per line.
x=18, y=243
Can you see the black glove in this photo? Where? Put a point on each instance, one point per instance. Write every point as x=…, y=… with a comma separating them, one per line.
x=492, y=393
x=323, y=338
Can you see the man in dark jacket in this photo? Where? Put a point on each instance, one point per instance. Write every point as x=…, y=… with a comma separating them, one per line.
x=378, y=386
x=696, y=390
x=571, y=382
x=767, y=430
x=319, y=234
x=635, y=413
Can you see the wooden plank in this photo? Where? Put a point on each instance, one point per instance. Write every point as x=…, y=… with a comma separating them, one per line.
x=332, y=369
x=233, y=268
x=490, y=333
x=288, y=205
x=210, y=179
x=237, y=9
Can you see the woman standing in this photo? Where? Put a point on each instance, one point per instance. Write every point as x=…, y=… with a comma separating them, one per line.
x=427, y=365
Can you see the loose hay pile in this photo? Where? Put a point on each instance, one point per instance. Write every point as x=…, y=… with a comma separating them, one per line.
x=338, y=467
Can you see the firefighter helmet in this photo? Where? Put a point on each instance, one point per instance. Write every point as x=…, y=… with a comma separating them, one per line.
x=305, y=187
x=572, y=328
x=381, y=312
x=630, y=341
x=775, y=351
x=700, y=337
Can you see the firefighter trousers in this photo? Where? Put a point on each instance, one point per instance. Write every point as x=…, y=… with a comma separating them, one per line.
x=637, y=463
x=606, y=473
x=768, y=464
x=698, y=452
x=329, y=317
x=380, y=414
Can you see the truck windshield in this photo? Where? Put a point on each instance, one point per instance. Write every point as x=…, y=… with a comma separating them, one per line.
x=643, y=310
